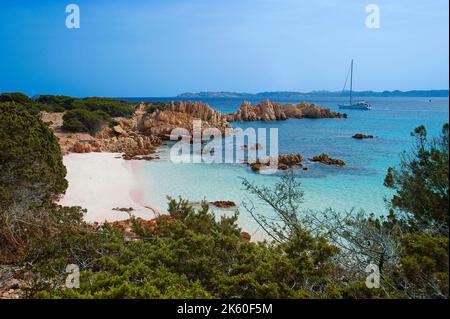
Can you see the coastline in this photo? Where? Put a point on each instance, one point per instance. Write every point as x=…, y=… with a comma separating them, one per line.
x=357, y=186
x=100, y=182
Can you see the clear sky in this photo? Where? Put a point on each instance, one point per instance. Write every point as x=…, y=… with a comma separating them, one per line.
x=162, y=48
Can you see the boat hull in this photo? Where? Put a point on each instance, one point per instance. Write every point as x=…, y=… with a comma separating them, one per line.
x=355, y=106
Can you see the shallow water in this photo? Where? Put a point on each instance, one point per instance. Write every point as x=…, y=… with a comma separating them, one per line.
x=357, y=185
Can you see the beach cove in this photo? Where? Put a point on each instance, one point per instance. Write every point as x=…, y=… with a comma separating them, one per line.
x=101, y=181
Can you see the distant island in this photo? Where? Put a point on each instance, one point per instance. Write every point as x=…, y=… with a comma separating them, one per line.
x=295, y=95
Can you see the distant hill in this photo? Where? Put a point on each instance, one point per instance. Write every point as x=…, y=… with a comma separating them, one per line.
x=292, y=95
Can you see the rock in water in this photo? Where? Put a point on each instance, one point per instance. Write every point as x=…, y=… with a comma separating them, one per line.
x=361, y=136
x=272, y=111
x=284, y=162
x=325, y=159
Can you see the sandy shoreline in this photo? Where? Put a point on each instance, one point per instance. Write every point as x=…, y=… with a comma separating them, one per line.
x=100, y=182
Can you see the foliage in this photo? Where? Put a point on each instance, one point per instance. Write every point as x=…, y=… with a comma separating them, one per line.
x=61, y=103
x=82, y=120
x=112, y=107
x=15, y=97
x=421, y=181
x=189, y=254
x=30, y=160
x=425, y=265
x=32, y=174
x=155, y=106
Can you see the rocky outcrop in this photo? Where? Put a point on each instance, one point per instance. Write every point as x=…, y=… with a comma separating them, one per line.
x=272, y=111
x=284, y=162
x=181, y=115
x=11, y=287
x=84, y=147
x=119, y=130
x=325, y=159
x=226, y=204
x=140, y=134
x=287, y=161
x=125, y=136
x=128, y=136
x=361, y=136
x=133, y=145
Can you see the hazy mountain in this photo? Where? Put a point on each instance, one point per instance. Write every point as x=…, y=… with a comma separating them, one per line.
x=287, y=95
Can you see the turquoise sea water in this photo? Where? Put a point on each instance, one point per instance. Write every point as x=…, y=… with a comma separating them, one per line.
x=357, y=185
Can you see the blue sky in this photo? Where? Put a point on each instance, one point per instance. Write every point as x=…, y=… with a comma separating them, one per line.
x=162, y=48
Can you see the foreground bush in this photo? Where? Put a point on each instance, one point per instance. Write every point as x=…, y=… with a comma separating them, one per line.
x=32, y=175
x=191, y=255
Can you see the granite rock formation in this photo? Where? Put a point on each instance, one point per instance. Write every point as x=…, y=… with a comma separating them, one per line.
x=272, y=111
x=181, y=115
x=284, y=162
x=325, y=159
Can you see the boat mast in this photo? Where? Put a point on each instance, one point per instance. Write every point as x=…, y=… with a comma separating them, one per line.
x=351, y=81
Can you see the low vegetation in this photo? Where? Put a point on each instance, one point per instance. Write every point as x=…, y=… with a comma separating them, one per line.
x=152, y=107
x=81, y=115
x=82, y=120
x=32, y=177
x=112, y=107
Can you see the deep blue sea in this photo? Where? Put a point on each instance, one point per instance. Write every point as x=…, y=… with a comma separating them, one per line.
x=358, y=185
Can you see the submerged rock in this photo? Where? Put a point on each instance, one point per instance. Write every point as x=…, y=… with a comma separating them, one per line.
x=361, y=136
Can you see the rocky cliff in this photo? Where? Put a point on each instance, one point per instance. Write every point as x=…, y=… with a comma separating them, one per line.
x=272, y=111
x=149, y=124
x=181, y=114
x=140, y=134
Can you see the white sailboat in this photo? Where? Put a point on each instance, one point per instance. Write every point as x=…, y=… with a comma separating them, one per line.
x=354, y=105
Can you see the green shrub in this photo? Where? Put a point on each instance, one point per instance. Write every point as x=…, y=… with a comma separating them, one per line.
x=154, y=106
x=112, y=107
x=54, y=99
x=61, y=103
x=189, y=254
x=15, y=97
x=30, y=157
x=32, y=175
x=82, y=120
x=421, y=181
